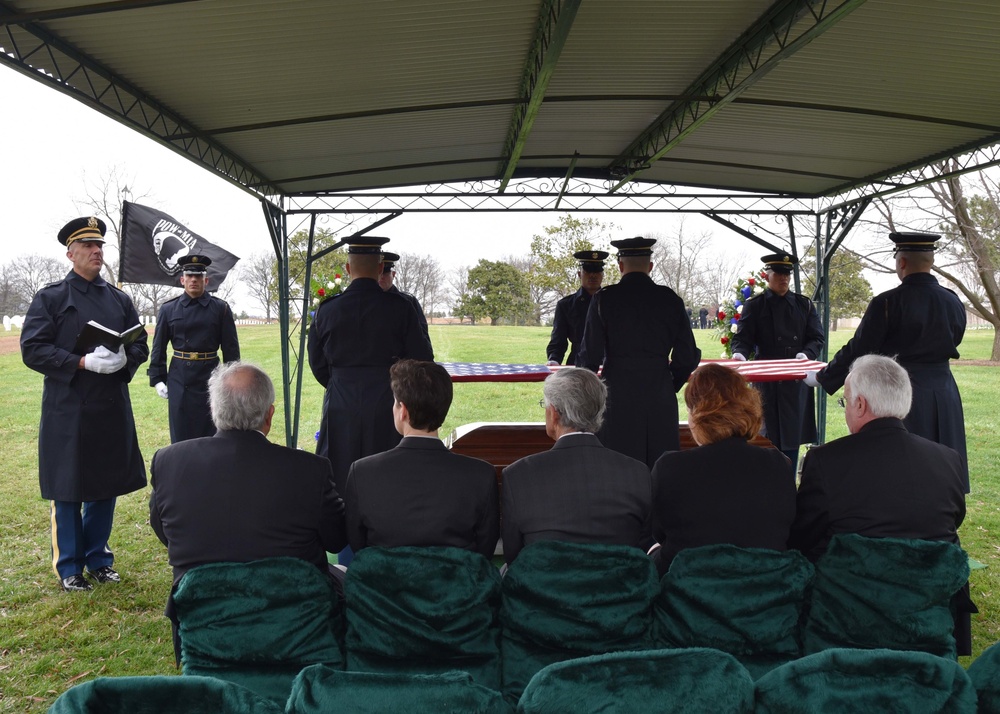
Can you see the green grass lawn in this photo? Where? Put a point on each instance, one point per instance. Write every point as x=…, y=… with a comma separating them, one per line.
x=50, y=640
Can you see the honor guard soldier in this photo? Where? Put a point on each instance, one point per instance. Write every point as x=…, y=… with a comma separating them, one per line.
x=642, y=333
x=921, y=324
x=781, y=324
x=354, y=338
x=88, y=453
x=571, y=311
x=197, y=325
x=385, y=281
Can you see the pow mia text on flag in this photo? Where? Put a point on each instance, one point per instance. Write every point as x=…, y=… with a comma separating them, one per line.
x=152, y=244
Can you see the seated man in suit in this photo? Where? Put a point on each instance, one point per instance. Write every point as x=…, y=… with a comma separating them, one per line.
x=881, y=481
x=578, y=491
x=419, y=493
x=235, y=496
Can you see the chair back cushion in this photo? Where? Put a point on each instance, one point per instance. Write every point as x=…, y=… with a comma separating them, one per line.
x=874, y=681
x=319, y=689
x=423, y=610
x=985, y=675
x=163, y=694
x=567, y=600
x=678, y=681
x=885, y=593
x=744, y=601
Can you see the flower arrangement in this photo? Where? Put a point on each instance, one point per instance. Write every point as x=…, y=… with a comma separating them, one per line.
x=323, y=288
x=727, y=320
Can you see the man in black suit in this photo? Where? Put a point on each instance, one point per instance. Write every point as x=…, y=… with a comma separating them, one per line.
x=880, y=481
x=642, y=333
x=235, y=496
x=571, y=311
x=781, y=324
x=922, y=324
x=419, y=493
x=578, y=491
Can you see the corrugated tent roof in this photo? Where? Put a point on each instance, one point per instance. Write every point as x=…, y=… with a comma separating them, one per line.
x=313, y=96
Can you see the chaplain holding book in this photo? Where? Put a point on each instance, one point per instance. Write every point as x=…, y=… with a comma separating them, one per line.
x=196, y=325
x=88, y=453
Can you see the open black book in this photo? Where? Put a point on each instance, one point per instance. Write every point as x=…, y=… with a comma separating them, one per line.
x=95, y=334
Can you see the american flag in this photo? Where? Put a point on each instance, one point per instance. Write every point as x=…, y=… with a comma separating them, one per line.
x=773, y=370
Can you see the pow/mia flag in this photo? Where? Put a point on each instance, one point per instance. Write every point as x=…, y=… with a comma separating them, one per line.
x=153, y=243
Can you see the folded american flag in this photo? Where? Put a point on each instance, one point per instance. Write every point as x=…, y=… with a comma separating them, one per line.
x=771, y=370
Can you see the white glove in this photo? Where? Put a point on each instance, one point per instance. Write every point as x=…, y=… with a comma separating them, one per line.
x=104, y=361
x=801, y=355
x=738, y=357
x=552, y=363
x=161, y=389
x=810, y=379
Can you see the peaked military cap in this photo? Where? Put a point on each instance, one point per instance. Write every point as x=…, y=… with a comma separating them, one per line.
x=591, y=261
x=914, y=242
x=87, y=229
x=195, y=264
x=634, y=247
x=779, y=262
x=365, y=244
x=389, y=261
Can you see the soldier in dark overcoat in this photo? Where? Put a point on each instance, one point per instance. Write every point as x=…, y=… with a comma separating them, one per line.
x=642, y=333
x=571, y=311
x=354, y=338
x=88, y=452
x=921, y=324
x=385, y=281
x=196, y=324
x=781, y=324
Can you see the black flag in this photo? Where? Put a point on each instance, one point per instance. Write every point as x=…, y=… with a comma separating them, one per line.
x=152, y=244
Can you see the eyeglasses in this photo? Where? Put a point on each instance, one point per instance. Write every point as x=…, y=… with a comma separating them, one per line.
x=842, y=403
x=541, y=403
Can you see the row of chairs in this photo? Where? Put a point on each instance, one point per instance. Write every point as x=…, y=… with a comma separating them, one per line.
x=432, y=610
x=677, y=681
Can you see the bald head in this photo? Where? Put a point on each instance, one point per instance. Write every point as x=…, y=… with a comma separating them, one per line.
x=910, y=262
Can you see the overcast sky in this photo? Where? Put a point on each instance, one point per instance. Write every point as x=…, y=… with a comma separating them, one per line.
x=54, y=147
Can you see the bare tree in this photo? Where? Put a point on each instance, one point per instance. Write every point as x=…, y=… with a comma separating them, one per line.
x=104, y=197
x=257, y=272
x=716, y=278
x=677, y=261
x=423, y=277
x=458, y=281
x=28, y=273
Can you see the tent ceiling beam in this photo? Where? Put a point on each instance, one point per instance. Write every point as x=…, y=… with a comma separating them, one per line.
x=788, y=26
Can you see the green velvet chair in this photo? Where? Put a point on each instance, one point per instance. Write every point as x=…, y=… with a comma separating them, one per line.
x=873, y=681
x=985, y=675
x=320, y=690
x=257, y=624
x=567, y=600
x=678, y=681
x=744, y=601
x=161, y=695
x=423, y=611
x=885, y=593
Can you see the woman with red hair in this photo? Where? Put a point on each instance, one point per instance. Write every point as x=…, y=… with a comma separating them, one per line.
x=725, y=490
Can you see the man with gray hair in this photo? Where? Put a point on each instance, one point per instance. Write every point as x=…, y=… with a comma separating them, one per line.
x=578, y=491
x=880, y=481
x=235, y=496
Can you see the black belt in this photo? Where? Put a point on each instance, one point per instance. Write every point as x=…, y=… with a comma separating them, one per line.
x=196, y=356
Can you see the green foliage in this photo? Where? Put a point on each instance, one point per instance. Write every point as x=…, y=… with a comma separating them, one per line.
x=553, y=267
x=850, y=291
x=496, y=290
x=323, y=270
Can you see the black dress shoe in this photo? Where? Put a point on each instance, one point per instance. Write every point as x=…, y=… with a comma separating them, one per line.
x=76, y=582
x=105, y=574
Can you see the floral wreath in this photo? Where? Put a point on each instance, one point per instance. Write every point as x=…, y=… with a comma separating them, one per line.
x=322, y=288
x=727, y=321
